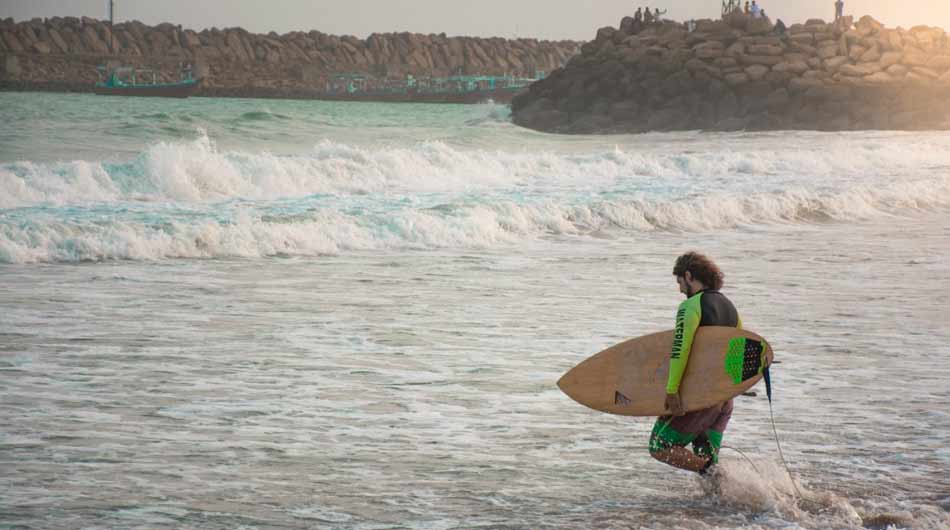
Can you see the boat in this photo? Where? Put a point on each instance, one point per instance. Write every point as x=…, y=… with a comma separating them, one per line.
x=452, y=89
x=137, y=81
x=132, y=81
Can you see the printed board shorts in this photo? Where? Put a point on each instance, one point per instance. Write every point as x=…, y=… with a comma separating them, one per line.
x=703, y=428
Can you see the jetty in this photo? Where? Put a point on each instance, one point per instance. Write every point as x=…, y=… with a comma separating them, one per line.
x=744, y=73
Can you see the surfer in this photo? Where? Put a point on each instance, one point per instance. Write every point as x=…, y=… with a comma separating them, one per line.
x=700, y=280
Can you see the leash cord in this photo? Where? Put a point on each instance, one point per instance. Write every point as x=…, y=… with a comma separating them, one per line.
x=768, y=391
x=749, y=460
x=782, y=456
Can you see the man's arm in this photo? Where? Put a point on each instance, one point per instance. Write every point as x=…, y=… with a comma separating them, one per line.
x=688, y=316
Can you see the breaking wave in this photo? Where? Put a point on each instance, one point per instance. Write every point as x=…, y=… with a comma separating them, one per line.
x=185, y=200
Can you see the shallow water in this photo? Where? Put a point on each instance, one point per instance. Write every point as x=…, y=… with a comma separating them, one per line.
x=364, y=331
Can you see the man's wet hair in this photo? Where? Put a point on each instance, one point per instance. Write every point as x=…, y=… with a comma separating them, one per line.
x=701, y=267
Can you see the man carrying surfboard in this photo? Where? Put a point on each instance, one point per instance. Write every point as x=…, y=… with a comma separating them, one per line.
x=700, y=280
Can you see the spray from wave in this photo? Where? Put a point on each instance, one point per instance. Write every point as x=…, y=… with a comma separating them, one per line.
x=762, y=486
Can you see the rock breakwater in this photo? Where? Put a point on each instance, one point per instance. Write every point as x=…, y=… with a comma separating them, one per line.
x=743, y=73
x=62, y=53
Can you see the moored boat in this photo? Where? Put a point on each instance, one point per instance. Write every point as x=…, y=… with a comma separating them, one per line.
x=128, y=81
x=452, y=89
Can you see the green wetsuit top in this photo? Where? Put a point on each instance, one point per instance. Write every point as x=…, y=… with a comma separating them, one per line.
x=705, y=308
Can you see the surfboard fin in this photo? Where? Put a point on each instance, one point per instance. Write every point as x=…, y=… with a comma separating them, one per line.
x=620, y=399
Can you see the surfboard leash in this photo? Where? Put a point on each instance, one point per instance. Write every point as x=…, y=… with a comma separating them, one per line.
x=749, y=460
x=768, y=392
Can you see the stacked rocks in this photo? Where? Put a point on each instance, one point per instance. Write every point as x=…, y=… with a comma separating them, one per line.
x=740, y=73
x=67, y=49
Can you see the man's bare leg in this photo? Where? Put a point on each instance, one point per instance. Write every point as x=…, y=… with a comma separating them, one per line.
x=682, y=458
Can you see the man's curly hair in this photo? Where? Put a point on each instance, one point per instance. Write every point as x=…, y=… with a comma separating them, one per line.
x=702, y=269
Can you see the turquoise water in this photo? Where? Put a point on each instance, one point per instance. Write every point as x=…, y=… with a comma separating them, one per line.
x=287, y=314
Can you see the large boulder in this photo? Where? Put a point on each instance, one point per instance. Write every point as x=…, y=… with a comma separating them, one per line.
x=897, y=70
x=895, y=41
x=12, y=42
x=756, y=72
x=833, y=64
x=856, y=52
x=803, y=48
x=628, y=25
x=797, y=67
x=735, y=49
x=868, y=25
x=860, y=70
x=843, y=24
x=939, y=62
x=712, y=26
x=802, y=38
x=91, y=40
x=58, y=40
x=767, y=60
x=765, y=49
x=870, y=56
x=42, y=48
x=673, y=38
x=880, y=78
x=11, y=66
x=889, y=58
x=828, y=51
x=709, y=50
x=925, y=72
x=736, y=78
x=698, y=65
x=759, y=26
x=915, y=59
x=605, y=33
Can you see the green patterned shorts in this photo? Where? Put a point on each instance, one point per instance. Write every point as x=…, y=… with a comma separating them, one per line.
x=702, y=428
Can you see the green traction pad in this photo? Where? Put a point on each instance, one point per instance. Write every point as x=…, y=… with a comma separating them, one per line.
x=744, y=359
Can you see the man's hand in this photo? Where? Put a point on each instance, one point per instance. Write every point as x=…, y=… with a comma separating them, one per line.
x=674, y=405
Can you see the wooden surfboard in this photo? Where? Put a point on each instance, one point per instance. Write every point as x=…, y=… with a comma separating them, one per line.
x=630, y=378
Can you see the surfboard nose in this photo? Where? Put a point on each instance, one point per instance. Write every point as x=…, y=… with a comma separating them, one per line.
x=570, y=383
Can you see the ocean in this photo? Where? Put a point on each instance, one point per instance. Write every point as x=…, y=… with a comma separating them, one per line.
x=257, y=314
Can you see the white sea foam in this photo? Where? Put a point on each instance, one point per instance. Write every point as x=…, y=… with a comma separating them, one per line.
x=197, y=171
x=763, y=486
x=183, y=200
x=245, y=232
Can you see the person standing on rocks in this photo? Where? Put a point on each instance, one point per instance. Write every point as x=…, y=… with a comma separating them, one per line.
x=647, y=16
x=839, y=9
x=747, y=7
x=756, y=10
x=780, y=27
x=638, y=16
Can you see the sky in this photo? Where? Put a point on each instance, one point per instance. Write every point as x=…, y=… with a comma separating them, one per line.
x=543, y=19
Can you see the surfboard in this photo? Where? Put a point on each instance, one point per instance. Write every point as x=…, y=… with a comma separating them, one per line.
x=630, y=378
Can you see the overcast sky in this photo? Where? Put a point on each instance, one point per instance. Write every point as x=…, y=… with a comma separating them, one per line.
x=546, y=19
